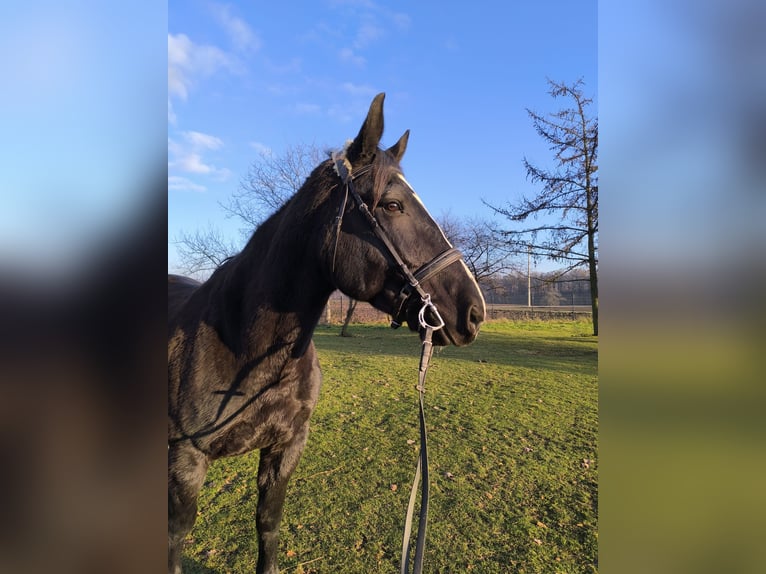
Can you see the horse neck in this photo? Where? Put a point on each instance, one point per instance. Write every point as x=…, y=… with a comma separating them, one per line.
x=275, y=284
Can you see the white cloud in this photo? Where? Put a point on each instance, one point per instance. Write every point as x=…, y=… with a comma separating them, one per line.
x=359, y=89
x=171, y=113
x=187, y=156
x=341, y=113
x=239, y=32
x=262, y=149
x=198, y=139
x=368, y=34
x=188, y=61
x=375, y=22
x=401, y=21
x=349, y=56
x=191, y=163
x=222, y=174
x=178, y=183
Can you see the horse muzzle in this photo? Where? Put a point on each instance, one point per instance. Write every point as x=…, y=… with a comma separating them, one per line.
x=459, y=327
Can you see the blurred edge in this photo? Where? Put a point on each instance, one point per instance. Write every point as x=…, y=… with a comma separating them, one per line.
x=83, y=407
x=82, y=299
x=683, y=141
x=682, y=118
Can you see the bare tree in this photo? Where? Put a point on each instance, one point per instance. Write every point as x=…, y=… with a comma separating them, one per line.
x=485, y=254
x=201, y=252
x=569, y=192
x=271, y=180
x=344, y=332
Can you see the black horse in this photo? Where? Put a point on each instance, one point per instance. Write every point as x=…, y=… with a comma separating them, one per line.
x=242, y=368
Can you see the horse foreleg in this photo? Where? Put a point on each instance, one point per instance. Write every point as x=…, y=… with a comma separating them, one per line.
x=186, y=472
x=274, y=470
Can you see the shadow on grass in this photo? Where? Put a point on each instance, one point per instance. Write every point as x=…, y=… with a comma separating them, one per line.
x=494, y=347
x=191, y=566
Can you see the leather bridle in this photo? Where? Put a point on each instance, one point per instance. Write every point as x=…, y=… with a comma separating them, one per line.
x=413, y=281
x=412, y=286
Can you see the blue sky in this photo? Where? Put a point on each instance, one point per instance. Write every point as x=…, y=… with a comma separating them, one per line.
x=244, y=77
x=81, y=126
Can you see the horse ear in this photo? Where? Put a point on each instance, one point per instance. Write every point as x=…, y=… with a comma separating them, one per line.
x=366, y=142
x=398, y=149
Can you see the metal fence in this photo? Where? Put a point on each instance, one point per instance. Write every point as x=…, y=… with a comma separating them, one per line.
x=337, y=306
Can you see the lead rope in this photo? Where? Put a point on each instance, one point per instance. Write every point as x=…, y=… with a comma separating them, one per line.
x=425, y=358
x=343, y=168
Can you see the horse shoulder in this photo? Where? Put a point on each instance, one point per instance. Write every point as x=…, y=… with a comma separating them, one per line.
x=307, y=376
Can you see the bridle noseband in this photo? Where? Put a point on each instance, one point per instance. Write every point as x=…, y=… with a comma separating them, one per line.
x=413, y=280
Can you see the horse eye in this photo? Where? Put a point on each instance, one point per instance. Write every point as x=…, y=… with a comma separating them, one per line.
x=393, y=206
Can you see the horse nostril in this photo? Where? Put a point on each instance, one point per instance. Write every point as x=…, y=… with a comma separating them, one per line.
x=475, y=318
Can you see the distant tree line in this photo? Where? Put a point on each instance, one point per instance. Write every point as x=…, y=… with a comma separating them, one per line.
x=547, y=289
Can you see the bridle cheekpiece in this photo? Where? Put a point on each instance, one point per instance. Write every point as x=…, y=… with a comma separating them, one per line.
x=344, y=170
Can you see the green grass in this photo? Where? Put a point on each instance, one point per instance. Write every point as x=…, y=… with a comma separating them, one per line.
x=512, y=422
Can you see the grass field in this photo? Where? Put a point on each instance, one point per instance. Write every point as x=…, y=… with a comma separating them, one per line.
x=513, y=428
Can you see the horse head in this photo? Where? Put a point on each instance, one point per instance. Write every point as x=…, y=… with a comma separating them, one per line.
x=385, y=248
